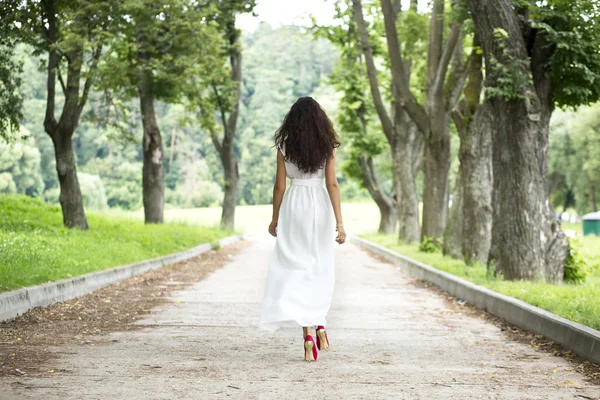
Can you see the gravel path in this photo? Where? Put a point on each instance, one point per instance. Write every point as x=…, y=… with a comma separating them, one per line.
x=390, y=338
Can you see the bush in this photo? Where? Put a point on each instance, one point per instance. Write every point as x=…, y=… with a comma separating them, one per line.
x=430, y=245
x=577, y=268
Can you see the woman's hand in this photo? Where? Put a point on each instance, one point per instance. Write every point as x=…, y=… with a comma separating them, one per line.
x=273, y=228
x=341, y=236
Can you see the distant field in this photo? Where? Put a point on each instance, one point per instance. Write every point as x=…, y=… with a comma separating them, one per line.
x=358, y=217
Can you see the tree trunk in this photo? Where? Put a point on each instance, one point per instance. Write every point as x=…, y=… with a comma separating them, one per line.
x=528, y=242
x=232, y=178
x=70, y=198
x=406, y=187
x=435, y=185
x=593, y=203
x=387, y=206
x=453, y=235
x=61, y=131
x=476, y=170
x=153, y=172
x=225, y=146
x=400, y=133
x=433, y=119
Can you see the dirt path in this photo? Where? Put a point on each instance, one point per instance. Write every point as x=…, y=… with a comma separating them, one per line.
x=391, y=339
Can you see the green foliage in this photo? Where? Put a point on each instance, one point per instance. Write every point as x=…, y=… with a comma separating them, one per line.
x=430, y=245
x=573, y=162
x=92, y=190
x=36, y=248
x=511, y=74
x=573, y=29
x=577, y=303
x=577, y=267
x=279, y=65
x=10, y=94
x=20, y=168
x=121, y=179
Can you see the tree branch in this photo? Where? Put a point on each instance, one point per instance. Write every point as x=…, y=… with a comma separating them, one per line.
x=367, y=50
x=436, y=37
x=213, y=135
x=49, y=120
x=60, y=79
x=407, y=99
x=465, y=109
x=437, y=86
x=88, y=82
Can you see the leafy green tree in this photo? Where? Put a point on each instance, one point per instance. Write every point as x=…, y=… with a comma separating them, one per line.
x=161, y=49
x=430, y=114
x=71, y=35
x=355, y=115
x=468, y=232
x=538, y=55
x=226, y=97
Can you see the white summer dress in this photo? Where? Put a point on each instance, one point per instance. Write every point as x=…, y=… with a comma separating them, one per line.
x=301, y=278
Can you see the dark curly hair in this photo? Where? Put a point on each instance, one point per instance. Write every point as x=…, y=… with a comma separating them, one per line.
x=307, y=135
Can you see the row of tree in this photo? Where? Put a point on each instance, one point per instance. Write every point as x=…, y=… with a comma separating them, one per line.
x=176, y=51
x=279, y=66
x=493, y=70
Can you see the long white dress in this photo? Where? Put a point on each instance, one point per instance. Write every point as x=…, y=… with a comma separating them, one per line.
x=301, y=278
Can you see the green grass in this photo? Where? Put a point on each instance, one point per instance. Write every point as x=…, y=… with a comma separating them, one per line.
x=579, y=303
x=36, y=248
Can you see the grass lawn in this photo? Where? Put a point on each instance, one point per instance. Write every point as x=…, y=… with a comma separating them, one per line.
x=36, y=248
x=577, y=302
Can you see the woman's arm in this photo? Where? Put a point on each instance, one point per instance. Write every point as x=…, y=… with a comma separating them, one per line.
x=278, y=191
x=333, y=188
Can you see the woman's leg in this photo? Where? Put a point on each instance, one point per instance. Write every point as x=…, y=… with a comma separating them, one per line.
x=307, y=330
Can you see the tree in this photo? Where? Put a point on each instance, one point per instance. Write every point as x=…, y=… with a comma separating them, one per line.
x=468, y=233
x=227, y=96
x=538, y=56
x=161, y=49
x=71, y=34
x=441, y=91
x=10, y=80
x=354, y=115
x=403, y=137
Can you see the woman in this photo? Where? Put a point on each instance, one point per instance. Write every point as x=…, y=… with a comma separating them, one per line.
x=301, y=275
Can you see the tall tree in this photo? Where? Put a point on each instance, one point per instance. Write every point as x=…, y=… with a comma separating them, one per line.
x=162, y=48
x=441, y=89
x=354, y=115
x=227, y=96
x=71, y=34
x=403, y=137
x=468, y=234
x=538, y=55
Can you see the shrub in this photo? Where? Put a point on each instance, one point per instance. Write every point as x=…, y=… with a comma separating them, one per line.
x=430, y=245
x=577, y=268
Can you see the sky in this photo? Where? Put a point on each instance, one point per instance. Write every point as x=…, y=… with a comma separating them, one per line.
x=286, y=12
x=294, y=12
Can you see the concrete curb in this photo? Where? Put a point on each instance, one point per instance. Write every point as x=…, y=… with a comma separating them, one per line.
x=580, y=339
x=19, y=301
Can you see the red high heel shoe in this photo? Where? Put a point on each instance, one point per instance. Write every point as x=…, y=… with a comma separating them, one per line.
x=322, y=339
x=310, y=350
